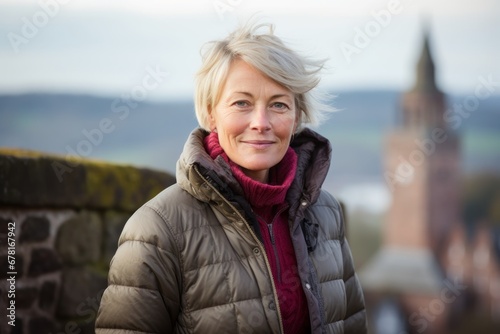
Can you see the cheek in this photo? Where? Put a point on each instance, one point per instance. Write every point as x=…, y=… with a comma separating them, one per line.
x=228, y=133
x=286, y=127
x=231, y=125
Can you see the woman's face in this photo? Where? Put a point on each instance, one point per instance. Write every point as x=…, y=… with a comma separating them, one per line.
x=255, y=118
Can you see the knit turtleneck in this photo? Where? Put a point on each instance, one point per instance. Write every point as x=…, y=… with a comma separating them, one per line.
x=257, y=193
x=268, y=202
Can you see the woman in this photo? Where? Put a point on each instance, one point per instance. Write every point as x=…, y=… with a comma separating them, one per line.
x=245, y=241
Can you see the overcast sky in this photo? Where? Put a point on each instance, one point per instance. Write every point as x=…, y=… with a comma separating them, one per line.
x=109, y=47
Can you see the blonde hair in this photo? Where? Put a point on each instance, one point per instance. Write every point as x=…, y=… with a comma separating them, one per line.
x=268, y=54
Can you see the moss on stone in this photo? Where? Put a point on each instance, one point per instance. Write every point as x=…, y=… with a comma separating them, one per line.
x=100, y=268
x=36, y=179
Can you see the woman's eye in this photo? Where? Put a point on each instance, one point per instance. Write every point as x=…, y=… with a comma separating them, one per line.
x=279, y=105
x=241, y=104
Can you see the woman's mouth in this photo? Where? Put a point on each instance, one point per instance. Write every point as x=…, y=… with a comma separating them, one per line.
x=259, y=144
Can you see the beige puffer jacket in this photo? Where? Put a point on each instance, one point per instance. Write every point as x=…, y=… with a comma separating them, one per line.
x=189, y=260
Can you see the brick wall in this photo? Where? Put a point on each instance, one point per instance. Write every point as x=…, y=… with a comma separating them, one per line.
x=60, y=221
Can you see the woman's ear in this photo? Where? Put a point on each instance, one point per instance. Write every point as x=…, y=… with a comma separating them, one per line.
x=211, y=119
x=297, y=121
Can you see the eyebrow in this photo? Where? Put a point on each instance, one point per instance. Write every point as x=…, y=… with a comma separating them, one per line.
x=272, y=97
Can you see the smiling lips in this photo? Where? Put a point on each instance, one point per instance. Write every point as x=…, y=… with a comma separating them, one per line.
x=259, y=144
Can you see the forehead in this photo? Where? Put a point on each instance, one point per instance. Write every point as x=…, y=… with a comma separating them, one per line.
x=244, y=77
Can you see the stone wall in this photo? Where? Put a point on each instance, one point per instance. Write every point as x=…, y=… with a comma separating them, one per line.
x=60, y=220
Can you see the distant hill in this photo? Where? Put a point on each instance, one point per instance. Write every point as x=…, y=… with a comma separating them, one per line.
x=152, y=134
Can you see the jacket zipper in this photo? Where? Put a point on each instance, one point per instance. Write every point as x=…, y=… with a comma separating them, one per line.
x=275, y=251
x=273, y=240
x=261, y=247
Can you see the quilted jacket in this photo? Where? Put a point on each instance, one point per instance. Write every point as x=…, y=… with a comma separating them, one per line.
x=191, y=259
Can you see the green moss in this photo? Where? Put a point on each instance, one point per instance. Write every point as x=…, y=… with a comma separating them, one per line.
x=123, y=187
x=37, y=179
x=99, y=268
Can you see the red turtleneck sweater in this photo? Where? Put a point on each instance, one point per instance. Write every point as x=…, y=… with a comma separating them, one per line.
x=269, y=204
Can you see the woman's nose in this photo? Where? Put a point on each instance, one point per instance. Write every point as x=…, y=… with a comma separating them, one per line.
x=260, y=119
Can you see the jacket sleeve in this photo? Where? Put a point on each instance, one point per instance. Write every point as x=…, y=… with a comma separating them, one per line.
x=355, y=319
x=143, y=281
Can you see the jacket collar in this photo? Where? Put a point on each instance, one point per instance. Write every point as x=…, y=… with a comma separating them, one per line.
x=195, y=168
x=314, y=155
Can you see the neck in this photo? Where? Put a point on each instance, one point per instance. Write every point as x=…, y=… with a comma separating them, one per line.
x=261, y=176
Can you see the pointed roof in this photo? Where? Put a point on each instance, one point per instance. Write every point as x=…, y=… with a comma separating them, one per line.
x=425, y=76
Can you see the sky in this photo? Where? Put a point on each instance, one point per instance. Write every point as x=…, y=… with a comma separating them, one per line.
x=118, y=48
x=113, y=47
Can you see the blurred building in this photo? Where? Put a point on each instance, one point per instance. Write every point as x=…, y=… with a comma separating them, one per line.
x=431, y=274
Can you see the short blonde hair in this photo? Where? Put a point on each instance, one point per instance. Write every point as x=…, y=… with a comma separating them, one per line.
x=268, y=54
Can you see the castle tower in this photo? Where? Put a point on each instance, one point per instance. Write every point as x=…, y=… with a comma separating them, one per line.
x=423, y=105
x=422, y=163
x=422, y=173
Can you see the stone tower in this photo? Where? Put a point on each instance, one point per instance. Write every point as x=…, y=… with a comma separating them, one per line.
x=422, y=163
x=422, y=173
